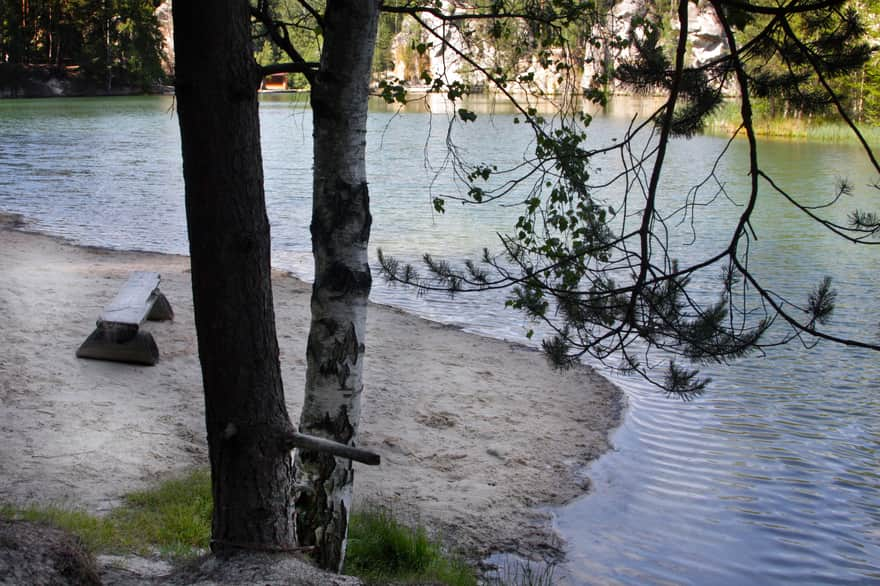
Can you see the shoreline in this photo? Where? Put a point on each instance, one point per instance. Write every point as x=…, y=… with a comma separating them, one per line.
x=474, y=432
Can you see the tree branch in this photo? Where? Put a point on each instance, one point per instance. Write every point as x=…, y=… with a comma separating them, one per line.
x=790, y=8
x=278, y=33
x=304, y=68
x=747, y=125
x=414, y=10
x=294, y=439
x=665, y=131
x=765, y=294
x=315, y=14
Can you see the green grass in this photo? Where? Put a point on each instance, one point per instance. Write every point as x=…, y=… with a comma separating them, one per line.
x=174, y=519
x=382, y=550
x=96, y=533
x=824, y=129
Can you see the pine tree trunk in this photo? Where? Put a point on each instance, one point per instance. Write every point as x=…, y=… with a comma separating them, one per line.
x=340, y=233
x=251, y=470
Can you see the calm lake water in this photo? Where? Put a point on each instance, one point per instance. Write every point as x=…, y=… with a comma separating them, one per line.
x=772, y=477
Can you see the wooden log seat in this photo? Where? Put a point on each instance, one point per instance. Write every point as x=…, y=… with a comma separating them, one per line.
x=118, y=336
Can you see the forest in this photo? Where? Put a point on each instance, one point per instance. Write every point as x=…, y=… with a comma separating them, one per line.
x=108, y=42
x=121, y=43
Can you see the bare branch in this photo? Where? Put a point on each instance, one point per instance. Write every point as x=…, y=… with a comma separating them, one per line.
x=314, y=12
x=792, y=7
x=293, y=439
x=278, y=33
x=465, y=16
x=665, y=131
x=304, y=67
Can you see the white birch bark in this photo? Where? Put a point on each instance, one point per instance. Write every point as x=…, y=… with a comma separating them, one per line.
x=340, y=234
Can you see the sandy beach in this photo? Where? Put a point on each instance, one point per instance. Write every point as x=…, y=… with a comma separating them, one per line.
x=474, y=433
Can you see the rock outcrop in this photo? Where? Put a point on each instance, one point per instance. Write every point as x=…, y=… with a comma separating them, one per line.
x=39, y=81
x=443, y=48
x=166, y=27
x=705, y=36
x=440, y=58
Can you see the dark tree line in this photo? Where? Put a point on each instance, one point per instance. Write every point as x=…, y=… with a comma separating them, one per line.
x=113, y=42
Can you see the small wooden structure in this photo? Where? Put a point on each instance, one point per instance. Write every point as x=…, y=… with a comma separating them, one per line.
x=117, y=335
x=275, y=82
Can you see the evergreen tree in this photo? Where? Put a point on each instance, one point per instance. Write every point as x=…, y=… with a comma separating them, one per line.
x=602, y=278
x=113, y=41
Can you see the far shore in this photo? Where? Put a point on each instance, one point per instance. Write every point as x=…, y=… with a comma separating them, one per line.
x=474, y=433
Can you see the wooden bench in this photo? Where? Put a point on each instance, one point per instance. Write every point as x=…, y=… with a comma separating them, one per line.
x=118, y=336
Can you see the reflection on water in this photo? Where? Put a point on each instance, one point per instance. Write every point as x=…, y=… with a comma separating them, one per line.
x=771, y=477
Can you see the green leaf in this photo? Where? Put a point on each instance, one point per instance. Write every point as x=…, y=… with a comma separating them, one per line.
x=467, y=115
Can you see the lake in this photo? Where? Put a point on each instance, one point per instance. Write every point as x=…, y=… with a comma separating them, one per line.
x=771, y=477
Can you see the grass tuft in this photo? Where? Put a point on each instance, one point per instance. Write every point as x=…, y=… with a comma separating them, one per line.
x=382, y=550
x=175, y=517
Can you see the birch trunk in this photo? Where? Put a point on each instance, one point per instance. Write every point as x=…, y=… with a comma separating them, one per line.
x=340, y=233
x=245, y=413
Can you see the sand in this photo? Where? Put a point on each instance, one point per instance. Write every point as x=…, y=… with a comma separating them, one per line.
x=475, y=433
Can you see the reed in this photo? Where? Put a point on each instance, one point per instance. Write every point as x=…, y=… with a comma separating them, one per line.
x=814, y=128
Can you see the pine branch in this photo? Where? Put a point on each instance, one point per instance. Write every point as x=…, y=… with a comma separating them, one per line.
x=831, y=93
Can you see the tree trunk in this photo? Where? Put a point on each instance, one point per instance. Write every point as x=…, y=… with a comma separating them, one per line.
x=340, y=233
x=246, y=417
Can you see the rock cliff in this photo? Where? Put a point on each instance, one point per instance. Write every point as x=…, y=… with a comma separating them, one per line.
x=705, y=35
x=166, y=27
x=706, y=41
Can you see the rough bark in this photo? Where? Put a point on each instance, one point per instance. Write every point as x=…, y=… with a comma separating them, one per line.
x=246, y=417
x=340, y=233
